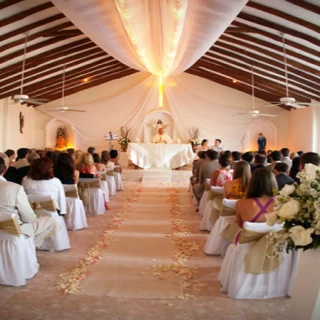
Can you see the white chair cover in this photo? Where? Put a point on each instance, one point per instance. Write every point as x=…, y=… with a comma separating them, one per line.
x=104, y=187
x=60, y=240
x=111, y=183
x=204, y=199
x=241, y=285
x=206, y=224
x=118, y=179
x=76, y=215
x=18, y=260
x=96, y=203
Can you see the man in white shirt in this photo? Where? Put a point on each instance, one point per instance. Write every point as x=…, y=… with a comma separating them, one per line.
x=161, y=137
x=285, y=152
x=13, y=200
x=217, y=146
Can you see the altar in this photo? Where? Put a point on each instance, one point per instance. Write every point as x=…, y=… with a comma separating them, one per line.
x=161, y=156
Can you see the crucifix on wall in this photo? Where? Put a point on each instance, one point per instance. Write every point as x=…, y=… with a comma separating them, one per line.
x=21, y=122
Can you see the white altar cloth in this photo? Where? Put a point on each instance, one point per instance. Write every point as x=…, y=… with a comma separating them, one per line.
x=162, y=156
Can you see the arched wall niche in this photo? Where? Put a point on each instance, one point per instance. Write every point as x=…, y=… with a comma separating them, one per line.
x=51, y=133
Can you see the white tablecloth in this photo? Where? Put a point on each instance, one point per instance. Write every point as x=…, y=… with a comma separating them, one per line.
x=162, y=156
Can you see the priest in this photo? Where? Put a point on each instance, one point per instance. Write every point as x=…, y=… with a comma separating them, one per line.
x=161, y=137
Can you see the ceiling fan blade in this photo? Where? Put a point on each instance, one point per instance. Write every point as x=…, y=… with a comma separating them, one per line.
x=298, y=106
x=33, y=101
x=43, y=100
x=75, y=110
x=267, y=115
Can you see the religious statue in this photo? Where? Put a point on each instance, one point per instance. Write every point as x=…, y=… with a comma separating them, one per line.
x=159, y=125
x=21, y=121
x=61, y=139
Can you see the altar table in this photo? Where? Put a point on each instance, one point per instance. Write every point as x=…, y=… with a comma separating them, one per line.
x=158, y=155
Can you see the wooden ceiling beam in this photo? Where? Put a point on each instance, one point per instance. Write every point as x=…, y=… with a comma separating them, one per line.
x=31, y=26
x=23, y=14
x=8, y=3
x=305, y=5
x=64, y=33
x=39, y=59
x=36, y=35
x=278, y=27
x=92, y=83
x=240, y=30
x=284, y=15
x=50, y=68
x=305, y=85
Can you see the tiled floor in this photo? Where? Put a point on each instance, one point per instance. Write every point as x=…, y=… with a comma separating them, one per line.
x=39, y=299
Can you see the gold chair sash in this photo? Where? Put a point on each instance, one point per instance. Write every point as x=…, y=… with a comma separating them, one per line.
x=72, y=193
x=213, y=194
x=207, y=187
x=110, y=173
x=11, y=226
x=262, y=257
x=83, y=190
x=46, y=205
x=103, y=176
x=230, y=231
x=216, y=207
x=116, y=170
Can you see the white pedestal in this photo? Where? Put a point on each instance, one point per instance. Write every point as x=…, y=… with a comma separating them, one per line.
x=305, y=301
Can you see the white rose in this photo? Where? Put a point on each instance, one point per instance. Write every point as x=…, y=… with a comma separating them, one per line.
x=287, y=190
x=271, y=218
x=301, y=236
x=289, y=209
x=310, y=171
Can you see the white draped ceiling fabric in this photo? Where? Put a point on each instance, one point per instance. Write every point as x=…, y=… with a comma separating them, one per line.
x=164, y=38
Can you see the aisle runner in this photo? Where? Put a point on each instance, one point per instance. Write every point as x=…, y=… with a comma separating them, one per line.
x=140, y=245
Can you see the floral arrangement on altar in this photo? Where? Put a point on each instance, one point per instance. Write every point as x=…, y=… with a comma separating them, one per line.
x=194, y=134
x=298, y=206
x=124, y=135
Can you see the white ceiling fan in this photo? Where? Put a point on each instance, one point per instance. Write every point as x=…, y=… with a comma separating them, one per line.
x=287, y=100
x=24, y=97
x=254, y=112
x=63, y=108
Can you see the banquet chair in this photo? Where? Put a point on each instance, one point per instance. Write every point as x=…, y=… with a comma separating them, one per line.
x=117, y=177
x=241, y=283
x=76, y=216
x=92, y=195
x=216, y=194
x=111, y=182
x=204, y=198
x=60, y=240
x=18, y=260
x=104, y=185
x=216, y=244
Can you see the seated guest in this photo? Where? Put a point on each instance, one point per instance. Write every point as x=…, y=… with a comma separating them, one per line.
x=41, y=153
x=41, y=181
x=21, y=160
x=222, y=175
x=77, y=156
x=280, y=171
x=217, y=146
x=13, y=199
x=91, y=150
x=11, y=155
x=97, y=162
x=114, y=158
x=196, y=167
x=65, y=171
x=293, y=155
x=295, y=168
x=285, y=152
x=86, y=165
x=207, y=167
x=204, y=146
x=259, y=199
x=237, y=188
x=300, y=153
x=161, y=137
x=235, y=157
x=54, y=156
x=275, y=158
x=71, y=152
x=309, y=157
x=248, y=156
x=105, y=159
x=259, y=161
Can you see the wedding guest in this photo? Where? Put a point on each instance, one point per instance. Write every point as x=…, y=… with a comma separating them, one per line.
x=91, y=150
x=237, y=187
x=222, y=175
x=248, y=156
x=295, y=168
x=71, y=152
x=11, y=155
x=275, y=158
x=309, y=157
x=285, y=152
x=77, y=156
x=41, y=153
x=259, y=161
x=300, y=153
x=280, y=171
x=21, y=160
x=54, y=156
x=114, y=158
x=204, y=145
x=235, y=157
x=105, y=158
x=13, y=200
x=259, y=199
x=97, y=162
x=65, y=170
x=293, y=155
x=217, y=146
x=32, y=156
x=41, y=181
x=196, y=167
x=86, y=165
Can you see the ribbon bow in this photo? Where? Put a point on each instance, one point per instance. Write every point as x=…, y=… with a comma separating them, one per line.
x=11, y=226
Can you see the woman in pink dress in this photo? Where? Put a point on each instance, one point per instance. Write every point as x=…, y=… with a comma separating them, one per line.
x=223, y=174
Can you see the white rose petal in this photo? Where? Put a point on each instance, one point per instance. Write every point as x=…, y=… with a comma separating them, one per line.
x=287, y=190
x=289, y=209
x=310, y=171
x=301, y=236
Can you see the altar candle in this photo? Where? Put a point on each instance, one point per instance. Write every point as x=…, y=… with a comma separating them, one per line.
x=138, y=140
x=179, y=141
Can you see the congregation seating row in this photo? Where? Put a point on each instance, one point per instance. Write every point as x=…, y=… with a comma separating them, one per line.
x=18, y=260
x=247, y=271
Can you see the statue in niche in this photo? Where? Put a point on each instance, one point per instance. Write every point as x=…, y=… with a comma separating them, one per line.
x=21, y=122
x=158, y=125
x=61, y=143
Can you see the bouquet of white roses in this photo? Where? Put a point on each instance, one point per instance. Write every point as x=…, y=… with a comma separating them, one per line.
x=298, y=206
x=194, y=136
x=195, y=141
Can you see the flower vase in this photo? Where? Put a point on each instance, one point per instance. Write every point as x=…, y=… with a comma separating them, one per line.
x=305, y=295
x=124, y=147
x=194, y=147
